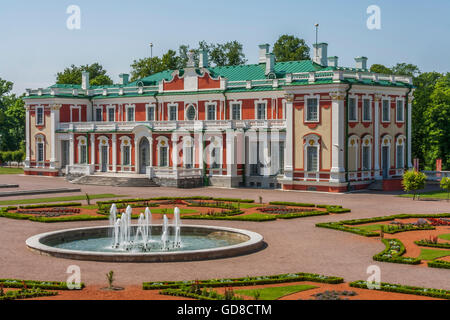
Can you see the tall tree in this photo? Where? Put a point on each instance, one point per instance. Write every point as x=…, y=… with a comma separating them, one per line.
x=406, y=69
x=72, y=75
x=12, y=118
x=379, y=68
x=290, y=48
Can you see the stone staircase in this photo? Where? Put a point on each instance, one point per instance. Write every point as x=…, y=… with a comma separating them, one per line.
x=115, y=181
x=377, y=185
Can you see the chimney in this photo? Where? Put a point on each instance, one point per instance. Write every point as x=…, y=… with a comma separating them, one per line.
x=124, y=78
x=85, y=80
x=333, y=61
x=263, y=51
x=320, y=53
x=270, y=63
x=203, y=59
x=361, y=63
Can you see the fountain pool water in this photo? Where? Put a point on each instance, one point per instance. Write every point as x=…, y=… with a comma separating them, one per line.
x=145, y=241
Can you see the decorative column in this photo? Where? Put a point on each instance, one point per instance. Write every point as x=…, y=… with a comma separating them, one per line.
x=409, y=112
x=288, y=151
x=71, y=150
x=231, y=157
x=54, y=121
x=174, y=151
x=199, y=136
x=114, y=151
x=337, y=172
x=376, y=138
x=93, y=151
x=136, y=156
x=27, y=137
x=150, y=143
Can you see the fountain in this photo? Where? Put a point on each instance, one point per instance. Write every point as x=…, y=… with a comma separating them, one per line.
x=145, y=241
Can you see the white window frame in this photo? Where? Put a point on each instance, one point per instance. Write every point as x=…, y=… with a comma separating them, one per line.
x=366, y=142
x=388, y=112
x=257, y=102
x=400, y=144
x=355, y=97
x=370, y=109
x=315, y=143
x=169, y=107
x=82, y=141
x=160, y=139
x=78, y=107
x=232, y=103
x=216, y=142
x=214, y=105
x=147, y=107
x=128, y=107
x=40, y=108
x=188, y=142
x=100, y=145
x=357, y=147
x=125, y=142
x=114, y=113
x=306, y=99
x=101, y=112
x=189, y=105
x=40, y=163
x=403, y=110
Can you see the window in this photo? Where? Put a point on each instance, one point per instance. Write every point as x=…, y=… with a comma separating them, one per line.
x=40, y=152
x=312, y=110
x=83, y=154
x=151, y=113
x=98, y=114
x=236, y=111
x=188, y=156
x=126, y=159
x=211, y=112
x=39, y=116
x=261, y=111
x=366, y=110
x=173, y=113
x=365, y=158
x=111, y=114
x=130, y=114
x=191, y=113
x=385, y=111
x=312, y=158
x=215, y=158
x=163, y=157
x=352, y=110
x=400, y=114
x=400, y=162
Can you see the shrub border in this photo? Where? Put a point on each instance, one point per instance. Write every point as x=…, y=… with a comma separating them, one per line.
x=49, y=285
x=397, y=257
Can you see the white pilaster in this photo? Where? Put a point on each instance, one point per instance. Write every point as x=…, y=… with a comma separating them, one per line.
x=200, y=149
x=288, y=154
x=174, y=150
x=409, y=111
x=231, y=157
x=150, y=144
x=93, y=150
x=114, y=152
x=376, y=138
x=337, y=173
x=54, y=121
x=27, y=137
x=71, y=150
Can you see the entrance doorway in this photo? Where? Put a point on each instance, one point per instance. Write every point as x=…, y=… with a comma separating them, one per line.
x=385, y=161
x=64, y=153
x=144, y=155
x=104, y=151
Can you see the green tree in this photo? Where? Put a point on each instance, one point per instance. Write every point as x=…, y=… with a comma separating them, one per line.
x=12, y=118
x=73, y=75
x=379, y=68
x=445, y=184
x=406, y=69
x=145, y=67
x=290, y=48
x=437, y=125
x=413, y=181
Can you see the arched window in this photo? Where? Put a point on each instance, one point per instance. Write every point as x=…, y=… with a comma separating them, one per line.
x=353, y=153
x=312, y=153
x=191, y=113
x=163, y=151
x=188, y=152
x=386, y=155
x=82, y=150
x=400, y=152
x=40, y=149
x=125, y=148
x=215, y=152
x=366, y=153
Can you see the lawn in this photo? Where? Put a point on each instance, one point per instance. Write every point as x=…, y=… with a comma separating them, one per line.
x=372, y=227
x=274, y=293
x=431, y=254
x=445, y=236
x=170, y=211
x=4, y=170
x=430, y=194
x=59, y=199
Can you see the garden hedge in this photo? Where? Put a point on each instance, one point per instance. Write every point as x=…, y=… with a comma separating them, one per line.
x=439, y=264
x=26, y=294
x=52, y=205
x=434, y=293
x=48, y=285
x=393, y=253
x=245, y=281
x=424, y=243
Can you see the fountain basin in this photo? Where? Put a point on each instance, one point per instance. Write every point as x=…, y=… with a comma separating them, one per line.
x=232, y=242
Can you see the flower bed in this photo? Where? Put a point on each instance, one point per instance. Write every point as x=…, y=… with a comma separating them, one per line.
x=435, y=293
x=393, y=253
x=246, y=281
x=26, y=294
x=438, y=222
x=433, y=243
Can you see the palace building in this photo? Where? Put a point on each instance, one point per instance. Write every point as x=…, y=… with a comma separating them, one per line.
x=298, y=125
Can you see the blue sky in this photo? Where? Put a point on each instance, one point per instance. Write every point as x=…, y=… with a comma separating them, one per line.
x=36, y=43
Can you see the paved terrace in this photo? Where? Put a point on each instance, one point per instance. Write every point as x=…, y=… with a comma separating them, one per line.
x=293, y=245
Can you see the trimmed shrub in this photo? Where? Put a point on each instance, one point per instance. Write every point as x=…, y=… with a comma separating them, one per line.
x=48, y=285
x=439, y=264
x=393, y=253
